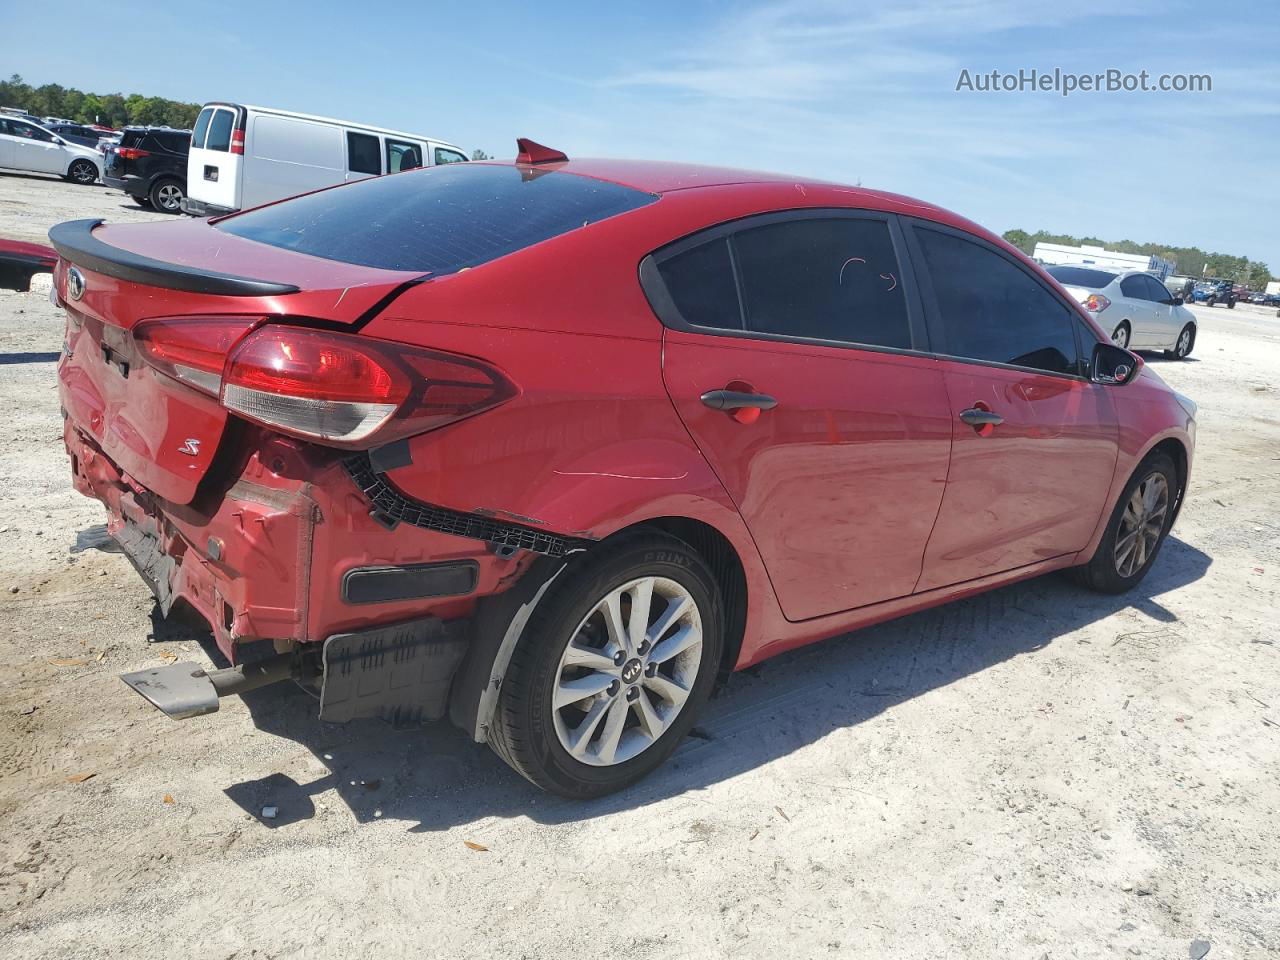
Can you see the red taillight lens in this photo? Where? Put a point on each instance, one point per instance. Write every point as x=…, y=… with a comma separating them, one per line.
x=132, y=153
x=1096, y=303
x=191, y=349
x=353, y=391
x=237, y=141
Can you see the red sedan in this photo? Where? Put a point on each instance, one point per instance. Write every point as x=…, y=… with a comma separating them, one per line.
x=552, y=446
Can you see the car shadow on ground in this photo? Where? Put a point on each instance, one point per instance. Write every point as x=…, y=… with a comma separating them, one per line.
x=433, y=777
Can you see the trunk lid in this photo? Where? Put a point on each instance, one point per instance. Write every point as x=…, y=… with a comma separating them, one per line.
x=1078, y=294
x=162, y=433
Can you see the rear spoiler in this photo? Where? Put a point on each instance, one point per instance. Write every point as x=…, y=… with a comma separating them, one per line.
x=75, y=242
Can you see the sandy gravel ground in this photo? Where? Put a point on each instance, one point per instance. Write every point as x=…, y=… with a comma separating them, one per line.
x=1037, y=772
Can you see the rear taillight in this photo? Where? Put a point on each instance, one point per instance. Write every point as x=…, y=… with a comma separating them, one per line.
x=132, y=153
x=237, y=141
x=335, y=388
x=191, y=349
x=1096, y=303
x=352, y=391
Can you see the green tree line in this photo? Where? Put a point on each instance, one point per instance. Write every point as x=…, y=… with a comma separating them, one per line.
x=1191, y=261
x=109, y=109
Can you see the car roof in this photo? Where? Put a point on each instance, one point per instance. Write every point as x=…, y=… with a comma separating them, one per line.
x=341, y=123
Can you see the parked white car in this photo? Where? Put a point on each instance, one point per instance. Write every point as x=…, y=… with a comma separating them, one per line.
x=1135, y=307
x=243, y=156
x=27, y=146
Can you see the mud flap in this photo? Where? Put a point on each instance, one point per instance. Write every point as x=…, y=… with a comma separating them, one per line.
x=400, y=673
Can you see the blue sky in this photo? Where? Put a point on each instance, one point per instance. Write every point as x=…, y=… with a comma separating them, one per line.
x=855, y=92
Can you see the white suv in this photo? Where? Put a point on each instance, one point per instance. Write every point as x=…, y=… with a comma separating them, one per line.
x=27, y=146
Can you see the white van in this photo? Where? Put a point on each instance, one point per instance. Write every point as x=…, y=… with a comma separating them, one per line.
x=243, y=156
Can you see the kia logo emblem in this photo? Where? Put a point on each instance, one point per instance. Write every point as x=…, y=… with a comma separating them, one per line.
x=75, y=284
x=631, y=672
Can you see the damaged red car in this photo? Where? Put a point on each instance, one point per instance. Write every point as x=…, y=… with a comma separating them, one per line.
x=551, y=447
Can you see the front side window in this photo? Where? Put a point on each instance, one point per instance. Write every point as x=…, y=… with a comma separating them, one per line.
x=991, y=310
x=362, y=153
x=1155, y=289
x=402, y=156
x=1134, y=288
x=29, y=132
x=202, y=127
x=219, y=136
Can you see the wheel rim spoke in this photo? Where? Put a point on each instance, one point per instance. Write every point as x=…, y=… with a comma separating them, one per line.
x=582, y=734
x=611, y=608
x=667, y=689
x=675, y=610
x=641, y=603
x=611, y=735
x=579, y=656
x=677, y=643
x=579, y=689
x=650, y=722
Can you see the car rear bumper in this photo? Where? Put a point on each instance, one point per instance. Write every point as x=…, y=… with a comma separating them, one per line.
x=198, y=208
x=116, y=183
x=287, y=553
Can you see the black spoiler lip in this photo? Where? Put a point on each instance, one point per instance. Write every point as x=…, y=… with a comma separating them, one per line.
x=75, y=242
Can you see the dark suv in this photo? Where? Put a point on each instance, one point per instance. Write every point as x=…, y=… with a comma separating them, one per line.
x=150, y=165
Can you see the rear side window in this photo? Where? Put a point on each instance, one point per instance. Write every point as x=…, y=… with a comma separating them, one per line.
x=701, y=285
x=362, y=153
x=832, y=279
x=436, y=220
x=202, y=127
x=991, y=310
x=219, y=137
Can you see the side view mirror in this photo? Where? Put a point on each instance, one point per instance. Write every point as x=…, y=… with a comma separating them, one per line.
x=1176, y=302
x=1113, y=365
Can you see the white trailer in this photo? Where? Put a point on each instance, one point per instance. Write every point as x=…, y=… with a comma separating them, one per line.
x=244, y=156
x=1062, y=255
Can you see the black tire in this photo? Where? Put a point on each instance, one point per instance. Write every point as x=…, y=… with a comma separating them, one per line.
x=1231, y=304
x=166, y=196
x=1101, y=573
x=1210, y=302
x=523, y=732
x=1179, y=352
x=1128, y=334
x=144, y=202
x=82, y=172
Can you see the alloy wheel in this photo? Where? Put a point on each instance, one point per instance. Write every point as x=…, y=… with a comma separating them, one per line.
x=84, y=172
x=627, y=671
x=1184, y=343
x=170, y=196
x=1121, y=337
x=1141, y=524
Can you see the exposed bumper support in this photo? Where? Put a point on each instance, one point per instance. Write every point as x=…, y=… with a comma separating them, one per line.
x=184, y=690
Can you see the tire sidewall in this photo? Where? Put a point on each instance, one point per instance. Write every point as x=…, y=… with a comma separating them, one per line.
x=549, y=633
x=1128, y=333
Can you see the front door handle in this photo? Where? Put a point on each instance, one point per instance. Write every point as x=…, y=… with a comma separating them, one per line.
x=734, y=400
x=975, y=417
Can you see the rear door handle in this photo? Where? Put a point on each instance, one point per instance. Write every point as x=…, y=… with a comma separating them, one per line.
x=733, y=400
x=980, y=418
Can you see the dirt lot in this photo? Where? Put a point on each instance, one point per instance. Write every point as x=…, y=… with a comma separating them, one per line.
x=1038, y=772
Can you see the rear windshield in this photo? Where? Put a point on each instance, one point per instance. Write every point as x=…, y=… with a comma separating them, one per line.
x=436, y=220
x=1081, y=276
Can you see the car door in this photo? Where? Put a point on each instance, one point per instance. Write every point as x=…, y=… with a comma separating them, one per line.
x=36, y=149
x=1140, y=310
x=1165, y=323
x=1034, y=441
x=793, y=355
